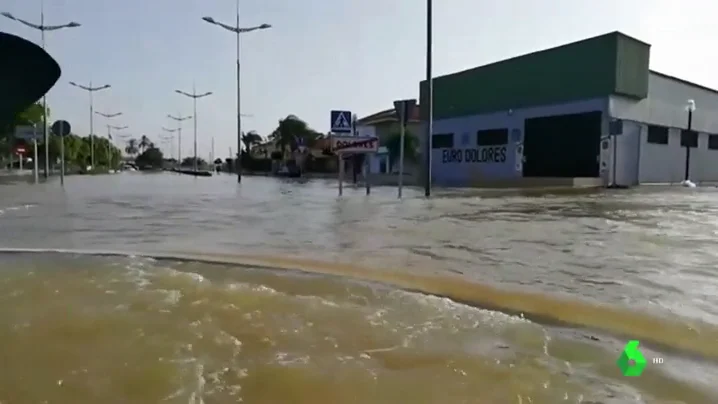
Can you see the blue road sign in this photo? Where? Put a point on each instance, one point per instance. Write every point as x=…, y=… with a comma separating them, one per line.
x=341, y=121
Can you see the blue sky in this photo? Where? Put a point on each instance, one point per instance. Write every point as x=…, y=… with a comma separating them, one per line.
x=358, y=55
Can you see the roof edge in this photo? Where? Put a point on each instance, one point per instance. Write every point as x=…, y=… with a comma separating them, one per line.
x=593, y=38
x=686, y=82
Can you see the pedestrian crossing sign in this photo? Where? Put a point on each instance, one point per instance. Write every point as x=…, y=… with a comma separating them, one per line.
x=341, y=121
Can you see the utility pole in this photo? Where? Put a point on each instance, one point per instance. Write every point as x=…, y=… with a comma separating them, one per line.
x=194, y=97
x=179, y=118
x=43, y=28
x=90, y=89
x=237, y=30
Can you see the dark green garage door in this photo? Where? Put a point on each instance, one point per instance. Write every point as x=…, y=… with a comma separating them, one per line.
x=562, y=146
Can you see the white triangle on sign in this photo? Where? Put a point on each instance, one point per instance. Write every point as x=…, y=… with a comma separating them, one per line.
x=341, y=122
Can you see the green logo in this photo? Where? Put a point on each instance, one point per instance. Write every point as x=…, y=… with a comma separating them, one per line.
x=631, y=362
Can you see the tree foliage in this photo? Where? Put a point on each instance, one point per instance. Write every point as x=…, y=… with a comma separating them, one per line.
x=393, y=145
x=250, y=139
x=291, y=132
x=150, y=158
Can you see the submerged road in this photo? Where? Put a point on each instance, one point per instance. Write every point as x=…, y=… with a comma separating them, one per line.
x=580, y=271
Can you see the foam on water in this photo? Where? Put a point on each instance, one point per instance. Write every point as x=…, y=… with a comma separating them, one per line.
x=193, y=333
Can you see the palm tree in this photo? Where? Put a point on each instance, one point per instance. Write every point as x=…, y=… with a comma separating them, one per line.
x=145, y=143
x=131, y=148
x=250, y=139
x=291, y=131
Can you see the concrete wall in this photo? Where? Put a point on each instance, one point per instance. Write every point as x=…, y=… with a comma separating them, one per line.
x=448, y=171
x=665, y=106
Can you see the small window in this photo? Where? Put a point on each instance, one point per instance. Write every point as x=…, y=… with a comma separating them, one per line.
x=442, y=141
x=492, y=137
x=657, y=134
x=689, y=138
x=713, y=142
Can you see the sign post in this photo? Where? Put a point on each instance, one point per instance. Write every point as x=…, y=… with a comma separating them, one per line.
x=29, y=133
x=20, y=151
x=34, y=155
x=341, y=145
x=404, y=109
x=62, y=129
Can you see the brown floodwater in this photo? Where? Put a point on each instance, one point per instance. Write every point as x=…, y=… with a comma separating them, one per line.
x=161, y=288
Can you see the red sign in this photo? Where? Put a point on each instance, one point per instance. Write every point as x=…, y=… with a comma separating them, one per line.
x=19, y=149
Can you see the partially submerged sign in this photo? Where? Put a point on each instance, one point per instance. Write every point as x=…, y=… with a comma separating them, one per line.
x=351, y=144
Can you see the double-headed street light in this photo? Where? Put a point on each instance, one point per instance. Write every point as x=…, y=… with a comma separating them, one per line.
x=179, y=120
x=109, y=134
x=238, y=30
x=171, y=131
x=194, y=97
x=111, y=142
x=90, y=89
x=43, y=28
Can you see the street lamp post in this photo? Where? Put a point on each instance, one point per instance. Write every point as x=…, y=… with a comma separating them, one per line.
x=43, y=28
x=167, y=141
x=194, y=97
x=687, y=138
x=109, y=135
x=90, y=89
x=238, y=30
x=429, y=98
x=179, y=120
x=110, y=142
x=170, y=137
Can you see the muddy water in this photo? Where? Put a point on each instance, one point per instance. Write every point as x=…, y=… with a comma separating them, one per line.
x=278, y=292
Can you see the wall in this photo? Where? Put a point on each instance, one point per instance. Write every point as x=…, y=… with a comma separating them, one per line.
x=454, y=173
x=596, y=67
x=665, y=106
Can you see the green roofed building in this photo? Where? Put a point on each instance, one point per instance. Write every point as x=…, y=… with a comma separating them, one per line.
x=554, y=114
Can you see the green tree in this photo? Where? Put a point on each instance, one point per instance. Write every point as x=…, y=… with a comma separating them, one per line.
x=189, y=162
x=132, y=148
x=250, y=139
x=144, y=143
x=292, y=130
x=32, y=115
x=393, y=145
x=150, y=158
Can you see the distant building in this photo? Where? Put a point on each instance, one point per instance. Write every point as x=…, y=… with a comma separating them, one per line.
x=547, y=114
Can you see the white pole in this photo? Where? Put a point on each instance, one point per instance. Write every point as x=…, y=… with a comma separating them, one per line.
x=62, y=160
x=401, y=156
x=341, y=174
x=34, y=145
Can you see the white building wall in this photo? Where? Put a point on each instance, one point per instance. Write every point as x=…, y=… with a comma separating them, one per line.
x=665, y=106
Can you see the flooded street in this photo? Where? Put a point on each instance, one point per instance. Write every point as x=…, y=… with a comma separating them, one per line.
x=149, y=288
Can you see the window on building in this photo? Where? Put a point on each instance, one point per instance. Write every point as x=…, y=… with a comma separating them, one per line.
x=492, y=137
x=713, y=142
x=689, y=138
x=657, y=134
x=442, y=141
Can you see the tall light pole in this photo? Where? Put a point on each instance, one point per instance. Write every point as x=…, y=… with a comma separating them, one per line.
x=110, y=142
x=429, y=99
x=109, y=135
x=194, y=97
x=179, y=119
x=43, y=28
x=687, y=139
x=238, y=30
x=170, y=131
x=167, y=140
x=90, y=89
